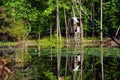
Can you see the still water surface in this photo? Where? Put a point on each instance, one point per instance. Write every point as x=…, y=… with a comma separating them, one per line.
x=69, y=64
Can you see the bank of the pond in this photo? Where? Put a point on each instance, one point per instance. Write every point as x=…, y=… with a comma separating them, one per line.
x=47, y=42
x=88, y=42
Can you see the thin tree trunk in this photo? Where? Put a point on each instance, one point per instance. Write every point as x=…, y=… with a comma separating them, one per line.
x=39, y=48
x=101, y=10
x=92, y=19
x=101, y=36
x=58, y=24
x=75, y=65
x=81, y=41
x=94, y=68
x=117, y=31
x=58, y=42
x=59, y=34
x=51, y=57
x=102, y=68
x=57, y=21
x=74, y=75
x=81, y=26
x=51, y=37
x=66, y=61
x=58, y=60
x=73, y=11
x=74, y=26
x=66, y=26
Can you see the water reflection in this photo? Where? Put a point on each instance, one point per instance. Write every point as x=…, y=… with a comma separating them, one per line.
x=68, y=64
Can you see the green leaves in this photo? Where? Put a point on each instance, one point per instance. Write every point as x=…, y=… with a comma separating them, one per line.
x=48, y=11
x=110, y=18
x=19, y=30
x=41, y=13
x=50, y=75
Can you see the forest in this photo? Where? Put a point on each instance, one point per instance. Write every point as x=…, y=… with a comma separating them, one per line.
x=48, y=23
x=32, y=19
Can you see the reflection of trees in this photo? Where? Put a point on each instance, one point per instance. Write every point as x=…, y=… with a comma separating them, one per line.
x=92, y=66
x=43, y=69
x=39, y=66
x=111, y=68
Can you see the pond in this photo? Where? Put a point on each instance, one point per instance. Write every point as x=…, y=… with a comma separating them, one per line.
x=67, y=63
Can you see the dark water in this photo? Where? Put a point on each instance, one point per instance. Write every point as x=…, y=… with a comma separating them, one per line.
x=60, y=64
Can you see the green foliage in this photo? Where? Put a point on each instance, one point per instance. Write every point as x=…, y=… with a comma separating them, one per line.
x=46, y=42
x=110, y=19
x=39, y=14
x=8, y=43
x=27, y=57
x=43, y=68
x=50, y=75
x=19, y=30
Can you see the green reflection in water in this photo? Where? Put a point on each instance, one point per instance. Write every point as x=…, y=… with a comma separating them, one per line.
x=42, y=67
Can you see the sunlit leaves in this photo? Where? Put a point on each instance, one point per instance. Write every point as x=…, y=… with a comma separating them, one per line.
x=19, y=30
x=41, y=12
x=48, y=11
x=50, y=75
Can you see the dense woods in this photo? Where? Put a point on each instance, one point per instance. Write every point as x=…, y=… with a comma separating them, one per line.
x=32, y=18
x=47, y=23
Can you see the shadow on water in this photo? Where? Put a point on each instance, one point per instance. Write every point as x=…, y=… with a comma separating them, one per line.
x=49, y=65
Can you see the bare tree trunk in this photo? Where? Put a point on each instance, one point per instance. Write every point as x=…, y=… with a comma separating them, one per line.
x=66, y=26
x=94, y=68
x=39, y=48
x=58, y=60
x=66, y=61
x=51, y=37
x=101, y=34
x=58, y=24
x=74, y=23
x=51, y=44
x=81, y=41
x=74, y=75
x=81, y=25
x=102, y=68
x=75, y=62
x=73, y=11
x=117, y=31
x=58, y=42
x=92, y=19
x=57, y=21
